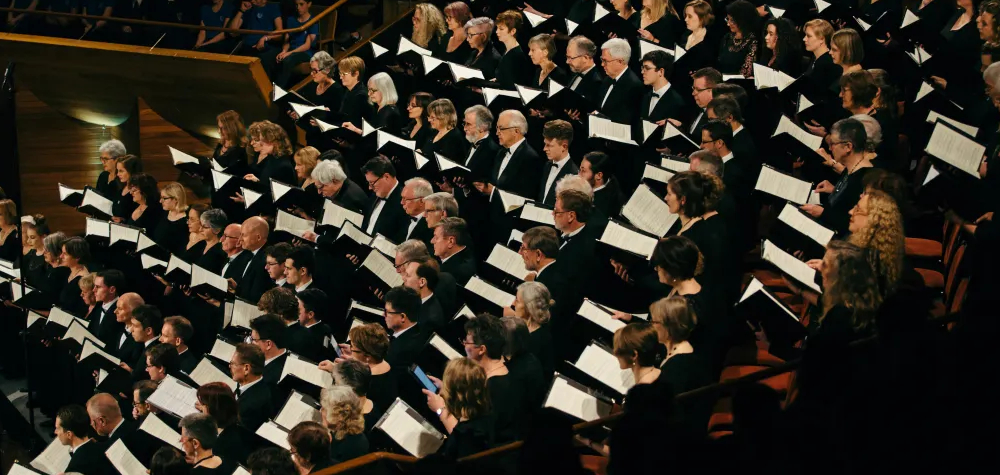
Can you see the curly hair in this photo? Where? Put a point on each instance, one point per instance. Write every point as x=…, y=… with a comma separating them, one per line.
x=993, y=8
x=267, y=131
x=464, y=389
x=432, y=24
x=342, y=411
x=537, y=302
x=851, y=282
x=883, y=238
x=701, y=191
x=789, y=44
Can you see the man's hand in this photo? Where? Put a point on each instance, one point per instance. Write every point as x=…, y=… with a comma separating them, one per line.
x=812, y=210
x=310, y=236
x=125, y=366
x=824, y=187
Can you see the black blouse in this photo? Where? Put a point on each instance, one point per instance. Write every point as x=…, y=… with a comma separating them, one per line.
x=235, y=156
x=685, y=372
x=331, y=98
x=421, y=135
x=148, y=220
x=468, y=437
x=514, y=68
x=105, y=188
x=34, y=269
x=70, y=299
x=193, y=253
x=508, y=407
x=737, y=57
x=389, y=119
x=355, y=105
x=458, y=56
x=667, y=30
x=122, y=206
x=540, y=345
x=720, y=264
x=383, y=389
x=350, y=447
x=558, y=75
x=452, y=146
x=487, y=61
x=11, y=247
x=172, y=235
x=836, y=206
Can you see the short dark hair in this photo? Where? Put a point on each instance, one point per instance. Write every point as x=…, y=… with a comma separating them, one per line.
x=313, y=300
x=201, y=427
x=355, y=374
x=719, y=130
x=74, y=418
x=278, y=251
x=113, y=278
x=149, y=317
x=270, y=327
x=311, y=442
x=406, y=301
x=147, y=187
x=457, y=228
x=862, y=86
x=182, y=327
x=220, y=402
x=558, y=130
x=488, y=331
x=542, y=238
x=678, y=256
x=77, y=247
x=852, y=131
x=429, y=271
x=660, y=60
x=734, y=90
x=145, y=388
x=711, y=75
x=168, y=461
x=164, y=356
x=600, y=162
x=303, y=257
x=250, y=354
x=577, y=202
x=724, y=107
x=280, y=301
x=379, y=166
x=271, y=461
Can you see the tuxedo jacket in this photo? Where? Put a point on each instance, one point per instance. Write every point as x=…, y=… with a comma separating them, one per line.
x=188, y=361
x=420, y=231
x=255, y=281
x=521, y=175
x=403, y=350
x=670, y=106
x=107, y=329
x=556, y=278
x=462, y=266
x=352, y=197
x=626, y=92
x=693, y=129
x=592, y=86
x=432, y=315
x=578, y=254
x=272, y=370
x=89, y=459
x=318, y=335
x=547, y=196
x=483, y=158
x=392, y=220
x=129, y=350
x=609, y=200
x=237, y=266
x=124, y=431
x=256, y=405
x=301, y=341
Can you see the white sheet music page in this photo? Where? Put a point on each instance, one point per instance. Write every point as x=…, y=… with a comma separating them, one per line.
x=604, y=367
x=54, y=459
x=302, y=110
x=180, y=157
x=80, y=334
x=306, y=371
x=571, y=400
x=123, y=233
x=516, y=235
x=490, y=94
x=174, y=397
x=554, y=87
x=61, y=317
x=444, y=163
x=534, y=18
x=149, y=261
x=383, y=269
x=532, y=212
x=155, y=427
x=648, y=212
x=335, y=215
x=206, y=373
x=648, y=46
x=219, y=179
x=32, y=318
x=201, y=276
x=621, y=237
x=293, y=225
x=325, y=127
x=99, y=228
x=756, y=286
x=483, y=289
x=90, y=348
x=786, y=126
x=788, y=264
x=365, y=308
x=648, y=128
x=123, y=460
x=296, y=410
x=241, y=470
x=527, y=94
x=278, y=189
x=657, y=173
x=444, y=348
x=410, y=431
x=606, y=129
x=243, y=313
x=382, y=138
x=383, y=245
x=909, y=18
x=674, y=165
x=223, y=350
x=354, y=233
x=274, y=434
x=92, y=198
x=933, y=117
x=249, y=196
x=791, y=216
x=65, y=192
x=431, y=63
x=178, y=264
x=509, y=200
x=507, y=260
x=955, y=149
x=783, y=186
x=670, y=131
x=595, y=314
x=18, y=469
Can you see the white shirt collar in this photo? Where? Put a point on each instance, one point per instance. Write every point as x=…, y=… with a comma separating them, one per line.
x=561, y=163
x=116, y=427
x=738, y=129
x=269, y=360
x=300, y=288
x=539, y=271
x=443, y=260
x=663, y=90
x=280, y=282
x=317, y=322
x=425, y=299
x=619, y=76
x=74, y=449
x=150, y=341
x=109, y=304
x=574, y=233
x=513, y=148
x=392, y=190
x=243, y=387
x=588, y=70
x=397, y=334
x=728, y=157
x=599, y=188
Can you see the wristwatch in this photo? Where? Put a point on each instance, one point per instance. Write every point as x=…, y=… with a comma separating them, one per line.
x=439, y=411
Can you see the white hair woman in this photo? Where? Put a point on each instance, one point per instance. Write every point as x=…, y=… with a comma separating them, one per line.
x=533, y=304
x=382, y=93
x=323, y=91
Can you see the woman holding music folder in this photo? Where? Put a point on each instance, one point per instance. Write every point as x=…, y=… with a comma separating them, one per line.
x=454, y=46
x=122, y=204
x=234, y=442
x=463, y=405
x=847, y=142
x=33, y=264
x=449, y=141
x=368, y=344
x=658, y=22
x=146, y=196
x=341, y=413
x=75, y=256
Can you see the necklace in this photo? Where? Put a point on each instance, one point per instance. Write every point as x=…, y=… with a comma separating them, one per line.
x=202, y=460
x=638, y=378
x=499, y=365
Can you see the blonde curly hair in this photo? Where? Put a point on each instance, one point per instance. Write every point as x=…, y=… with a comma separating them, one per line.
x=432, y=24
x=342, y=412
x=267, y=131
x=464, y=389
x=851, y=283
x=883, y=238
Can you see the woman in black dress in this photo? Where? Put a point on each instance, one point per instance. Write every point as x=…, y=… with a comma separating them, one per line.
x=305, y=161
x=75, y=257
x=10, y=239
x=514, y=66
x=33, y=265
x=463, y=406
x=355, y=106
x=146, y=195
x=173, y=231
x=960, y=52
x=542, y=51
x=272, y=156
x=356, y=375
x=449, y=141
x=369, y=344
x=782, y=49
x=199, y=434
x=418, y=129
x=684, y=368
x=231, y=154
x=483, y=56
x=533, y=304
x=123, y=206
x=382, y=93
x=310, y=444
x=847, y=141
x=235, y=442
x=429, y=27
x=701, y=40
x=341, y=413
x=636, y=346
x=740, y=47
x=822, y=73
x=454, y=47
x=323, y=92
x=107, y=182
x=658, y=22
x=194, y=248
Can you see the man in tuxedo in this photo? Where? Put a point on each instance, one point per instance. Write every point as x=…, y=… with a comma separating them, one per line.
x=313, y=303
x=739, y=174
x=557, y=136
x=332, y=183
x=124, y=346
x=727, y=109
x=106, y=418
x=438, y=206
x=587, y=79
x=296, y=338
x=253, y=395
x=147, y=321
x=412, y=200
x=477, y=125
x=662, y=102
x=386, y=215
x=624, y=89
x=447, y=288
x=275, y=256
x=577, y=243
x=86, y=455
x=177, y=332
x=256, y=280
x=107, y=286
x=596, y=169
x=422, y=276
x=705, y=79
x=539, y=249
x=451, y=240
x=300, y=266
x=516, y=165
x=268, y=333
x=742, y=169
x=402, y=317
x=162, y=360
x=237, y=259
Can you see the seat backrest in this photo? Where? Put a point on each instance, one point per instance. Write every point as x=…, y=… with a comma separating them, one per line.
x=949, y=239
x=953, y=273
x=958, y=299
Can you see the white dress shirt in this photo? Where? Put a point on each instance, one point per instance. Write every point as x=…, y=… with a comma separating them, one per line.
x=657, y=95
x=378, y=210
x=553, y=173
x=413, y=224
x=506, y=158
x=612, y=86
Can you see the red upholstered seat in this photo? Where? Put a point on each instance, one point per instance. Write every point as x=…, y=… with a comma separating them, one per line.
x=923, y=248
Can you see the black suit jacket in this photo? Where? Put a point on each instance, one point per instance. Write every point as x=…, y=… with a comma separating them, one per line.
x=625, y=94
x=447, y=293
x=107, y=329
x=403, y=350
x=272, y=370
x=609, y=200
x=421, y=231
x=694, y=128
x=392, y=220
x=301, y=341
x=461, y=265
x=255, y=281
x=237, y=266
x=549, y=198
x=556, y=279
x=592, y=86
x=89, y=459
x=188, y=360
x=318, y=335
x=521, y=175
x=256, y=405
x=483, y=158
x=670, y=106
x=431, y=314
x=578, y=254
x=139, y=363
x=235, y=443
x=352, y=197
x=124, y=431
x=514, y=68
x=129, y=350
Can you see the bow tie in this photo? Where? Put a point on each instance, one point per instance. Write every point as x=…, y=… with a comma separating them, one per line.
x=413, y=220
x=656, y=95
x=554, y=165
x=563, y=239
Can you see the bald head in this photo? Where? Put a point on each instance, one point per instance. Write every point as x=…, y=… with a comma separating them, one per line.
x=105, y=415
x=231, y=238
x=254, y=233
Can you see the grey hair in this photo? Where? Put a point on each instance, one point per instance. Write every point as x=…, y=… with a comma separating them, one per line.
x=517, y=120
x=384, y=84
x=484, y=118
x=517, y=336
x=574, y=182
x=201, y=427
x=114, y=147
x=412, y=249
x=618, y=49
x=992, y=75
x=337, y=394
x=324, y=62
x=872, y=129
x=585, y=45
x=537, y=301
x=480, y=21
x=708, y=162
x=442, y=200
x=215, y=219
x=421, y=187
x=54, y=242
x=329, y=171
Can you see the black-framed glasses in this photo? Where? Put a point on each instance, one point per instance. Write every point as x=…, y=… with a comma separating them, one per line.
x=386, y=312
x=649, y=68
x=314, y=71
x=700, y=89
x=501, y=129
x=708, y=141
x=475, y=34
x=371, y=184
x=465, y=342
x=404, y=263
x=573, y=58
x=557, y=213
x=606, y=61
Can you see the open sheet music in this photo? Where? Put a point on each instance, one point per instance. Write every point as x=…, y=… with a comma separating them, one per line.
x=537, y=214
x=600, y=315
x=354, y=233
x=239, y=313
x=18, y=469
x=335, y=215
x=249, y=196
x=297, y=410
x=656, y=173
x=933, y=117
x=98, y=228
x=279, y=189
x=155, y=427
x=180, y=157
x=619, y=236
x=61, y=317
x=765, y=77
x=461, y=73
x=383, y=245
x=93, y=199
x=123, y=460
x=406, y=45
x=201, y=276
x=306, y=371
x=270, y=432
x=442, y=346
x=791, y=216
x=507, y=260
x=603, y=366
x=177, y=264
x=483, y=289
x=383, y=269
x=382, y=138
x=600, y=127
x=90, y=348
x=490, y=94
x=79, y=333
x=757, y=286
x=121, y=232
x=675, y=165
x=223, y=351
x=54, y=459
x=573, y=398
x=174, y=397
x=410, y=431
x=509, y=200
x=292, y=224
x=788, y=264
x=219, y=179
x=783, y=186
x=206, y=373
x=955, y=149
x=648, y=212
x=66, y=192
x=786, y=126
x=377, y=312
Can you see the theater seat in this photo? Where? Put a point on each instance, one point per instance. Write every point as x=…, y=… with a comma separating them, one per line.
x=923, y=248
x=755, y=355
x=779, y=382
x=932, y=279
x=595, y=463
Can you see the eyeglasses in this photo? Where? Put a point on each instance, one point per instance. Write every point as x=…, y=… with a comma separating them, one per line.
x=606, y=61
x=700, y=89
x=475, y=34
x=314, y=71
x=404, y=263
x=708, y=141
x=371, y=184
x=428, y=210
x=557, y=213
x=501, y=129
x=649, y=68
x=838, y=143
x=386, y=312
x=468, y=343
x=372, y=90
x=411, y=199
x=573, y=58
